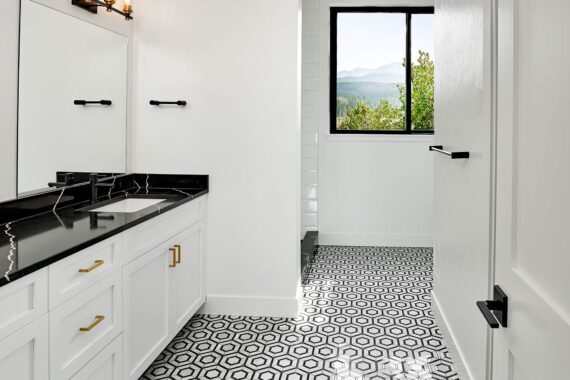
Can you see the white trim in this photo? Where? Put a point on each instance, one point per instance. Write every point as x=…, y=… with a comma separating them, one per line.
x=449, y=339
x=376, y=240
x=252, y=306
x=494, y=5
x=379, y=138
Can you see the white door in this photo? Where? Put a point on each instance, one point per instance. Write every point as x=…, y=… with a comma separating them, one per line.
x=187, y=277
x=532, y=250
x=463, y=186
x=146, y=304
x=24, y=354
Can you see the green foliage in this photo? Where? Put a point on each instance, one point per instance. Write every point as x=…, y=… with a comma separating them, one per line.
x=386, y=116
x=422, y=93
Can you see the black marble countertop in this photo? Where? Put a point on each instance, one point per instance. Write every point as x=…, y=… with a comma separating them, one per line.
x=39, y=230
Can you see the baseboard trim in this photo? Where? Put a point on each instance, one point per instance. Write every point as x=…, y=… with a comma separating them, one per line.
x=376, y=240
x=275, y=307
x=449, y=339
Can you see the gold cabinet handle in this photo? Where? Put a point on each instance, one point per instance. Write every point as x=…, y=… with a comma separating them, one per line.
x=179, y=249
x=95, y=265
x=98, y=319
x=174, y=261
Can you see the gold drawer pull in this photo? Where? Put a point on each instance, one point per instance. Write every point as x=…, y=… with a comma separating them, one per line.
x=95, y=265
x=179, y=248
x=174, y=261
x=98, y=319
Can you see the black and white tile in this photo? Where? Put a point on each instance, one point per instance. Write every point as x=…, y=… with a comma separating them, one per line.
x=365, y=316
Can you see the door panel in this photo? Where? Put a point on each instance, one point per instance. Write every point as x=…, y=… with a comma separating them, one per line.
x=24, y=354
x=107, y=365
x=146, y=310
x=463, y=186
x=532, y=233
x=186, y=278
x=23, y=301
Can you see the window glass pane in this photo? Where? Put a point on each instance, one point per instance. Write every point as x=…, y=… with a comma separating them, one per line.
x=371, y=76
x=422, y=71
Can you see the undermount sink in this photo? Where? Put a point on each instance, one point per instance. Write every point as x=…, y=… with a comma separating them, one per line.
x=128, y=205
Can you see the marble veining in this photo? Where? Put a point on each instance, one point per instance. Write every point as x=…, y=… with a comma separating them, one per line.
x=41, y=229
x=180, y=191
x=12, y=245
x=109, y=194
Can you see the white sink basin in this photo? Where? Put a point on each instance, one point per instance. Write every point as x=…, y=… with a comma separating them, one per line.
x=128, y=205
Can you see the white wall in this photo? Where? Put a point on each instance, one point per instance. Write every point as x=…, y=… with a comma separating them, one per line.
x=238, y=66
x=463, y=99
x=310, y=117
x=373, y=190
x=9, y=25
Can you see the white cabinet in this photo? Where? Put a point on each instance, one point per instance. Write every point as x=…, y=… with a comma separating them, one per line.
x=113, y=307
x=187, y=279
x=23, y=301
x=143, y=237
x=146, y=310
x=24, y=354
x=162, y=290
x=107, y=365
x=74, y=274
x=85, y=324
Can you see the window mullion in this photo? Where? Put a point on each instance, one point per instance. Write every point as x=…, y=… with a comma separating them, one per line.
x=408, y=72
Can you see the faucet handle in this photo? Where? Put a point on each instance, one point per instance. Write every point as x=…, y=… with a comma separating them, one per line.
x=68, y=178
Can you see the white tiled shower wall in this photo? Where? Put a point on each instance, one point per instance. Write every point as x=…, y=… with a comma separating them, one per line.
x=310, y=117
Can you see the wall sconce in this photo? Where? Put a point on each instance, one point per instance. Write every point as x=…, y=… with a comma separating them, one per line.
x=93, y=5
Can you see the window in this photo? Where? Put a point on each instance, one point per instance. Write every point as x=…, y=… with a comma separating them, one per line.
x=382, y=72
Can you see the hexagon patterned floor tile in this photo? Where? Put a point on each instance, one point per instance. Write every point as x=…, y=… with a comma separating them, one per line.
x=365, y=316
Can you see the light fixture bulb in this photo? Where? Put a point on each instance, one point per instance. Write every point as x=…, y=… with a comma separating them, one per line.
x=109, y=4
x=127, y=9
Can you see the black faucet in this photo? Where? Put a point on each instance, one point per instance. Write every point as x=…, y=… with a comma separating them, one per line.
x=94, y=181
x=67, y=181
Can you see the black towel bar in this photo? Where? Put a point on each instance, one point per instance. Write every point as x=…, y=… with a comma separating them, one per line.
x=85, y=102
x=181, y=103
x=453, y=155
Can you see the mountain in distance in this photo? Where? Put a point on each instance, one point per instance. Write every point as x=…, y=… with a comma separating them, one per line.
x=390, y=73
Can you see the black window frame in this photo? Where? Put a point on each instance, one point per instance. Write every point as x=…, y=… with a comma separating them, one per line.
x=408, y=12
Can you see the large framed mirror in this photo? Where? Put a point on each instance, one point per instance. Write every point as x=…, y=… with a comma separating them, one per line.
x=72, y=106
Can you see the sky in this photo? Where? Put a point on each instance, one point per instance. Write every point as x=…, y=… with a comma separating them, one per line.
x=358, y=33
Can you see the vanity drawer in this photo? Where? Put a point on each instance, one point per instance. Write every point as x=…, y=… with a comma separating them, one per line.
x=107, y=365
x=84, y=325
x=23, y=301
x=150, y=234
x=79, y=271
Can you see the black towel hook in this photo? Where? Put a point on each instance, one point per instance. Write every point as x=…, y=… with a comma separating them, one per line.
x=85, y=102
x=181, y=103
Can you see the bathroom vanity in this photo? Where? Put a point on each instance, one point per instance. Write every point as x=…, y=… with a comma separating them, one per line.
x=99, y=270
x=96, y=290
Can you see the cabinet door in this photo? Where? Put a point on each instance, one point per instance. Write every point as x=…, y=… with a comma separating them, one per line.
x=24, y=354
x=146, y=311
x=187, y=278
x=107, y=365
